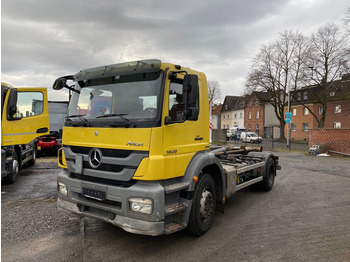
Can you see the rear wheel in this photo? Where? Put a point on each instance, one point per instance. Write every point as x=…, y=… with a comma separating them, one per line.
x=203, y=206
x=11, y=177
x=269, y=177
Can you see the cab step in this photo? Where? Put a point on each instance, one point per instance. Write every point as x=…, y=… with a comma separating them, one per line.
x=176, y=187
x=175, y=208
x=173, y=227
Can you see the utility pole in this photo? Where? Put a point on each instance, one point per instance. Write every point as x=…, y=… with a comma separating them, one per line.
x=290, y=119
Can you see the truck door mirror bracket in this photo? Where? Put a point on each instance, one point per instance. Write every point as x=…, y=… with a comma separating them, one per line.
x=168, y=120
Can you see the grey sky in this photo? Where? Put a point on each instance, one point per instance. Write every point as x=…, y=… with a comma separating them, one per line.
x=45, y=39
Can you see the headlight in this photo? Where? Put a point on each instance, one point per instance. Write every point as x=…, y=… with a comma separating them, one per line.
x=140, y=205
x=62, y=189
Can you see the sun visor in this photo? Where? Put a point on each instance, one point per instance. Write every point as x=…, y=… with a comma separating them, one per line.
x=135, y=67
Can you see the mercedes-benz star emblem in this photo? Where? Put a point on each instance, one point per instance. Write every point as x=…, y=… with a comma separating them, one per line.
x=95, y=156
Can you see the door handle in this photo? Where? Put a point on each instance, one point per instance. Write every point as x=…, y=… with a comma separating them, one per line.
x=198, y=138
x=42, y=130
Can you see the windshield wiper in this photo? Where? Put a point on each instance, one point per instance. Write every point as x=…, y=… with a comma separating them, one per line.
x=82, y=118
x=121, y=117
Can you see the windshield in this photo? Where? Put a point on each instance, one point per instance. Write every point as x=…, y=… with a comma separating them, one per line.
x=116, y=101
x=253, y=135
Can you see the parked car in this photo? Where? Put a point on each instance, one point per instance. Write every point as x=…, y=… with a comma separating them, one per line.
x=250, y=137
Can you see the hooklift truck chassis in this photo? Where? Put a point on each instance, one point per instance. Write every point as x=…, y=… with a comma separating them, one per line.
x=143, y=161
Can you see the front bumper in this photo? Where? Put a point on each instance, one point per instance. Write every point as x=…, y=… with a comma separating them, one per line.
x=115, y=209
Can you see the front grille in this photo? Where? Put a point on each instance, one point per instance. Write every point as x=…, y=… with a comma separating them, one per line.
x=103, y=181
x=106, y=152
x=107, y=167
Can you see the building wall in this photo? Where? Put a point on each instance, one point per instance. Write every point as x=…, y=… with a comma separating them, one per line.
x=331, y=139
x=342, y=117
x=332, y=117
x=238, y=118
x=216, y=121
x=270, y=116
x=298, y=120
x=251, y=119
x=226, y=119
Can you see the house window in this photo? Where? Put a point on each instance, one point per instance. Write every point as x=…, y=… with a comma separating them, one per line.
x=256, y=102
x=257, y=114
x=240, y=115
x=224, y=126
x=250, y=104
x=228, y=116
x=305, y=95
x=331, y=93
x=305, y=127
x=235, y=115
x=320, y=110
x=226, y=107
x=306, y=111
x=257, y=127
x=249, y=127
x=294, y=110
x=337, y=109
x=249, y=115
x=337, y=124
x=228, y=126
x=299, y=96
x=224, y=117
x=294, y=127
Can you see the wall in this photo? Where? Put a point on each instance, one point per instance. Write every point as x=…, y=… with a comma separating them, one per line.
x=218, y=135
x=331, y=139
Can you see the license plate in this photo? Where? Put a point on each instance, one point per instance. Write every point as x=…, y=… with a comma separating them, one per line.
x=94, y=194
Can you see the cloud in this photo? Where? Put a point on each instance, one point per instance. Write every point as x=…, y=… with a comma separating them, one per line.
x=42, y=40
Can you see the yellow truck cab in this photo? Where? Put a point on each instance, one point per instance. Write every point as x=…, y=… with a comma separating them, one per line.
x=136, y=150
x=24, y=117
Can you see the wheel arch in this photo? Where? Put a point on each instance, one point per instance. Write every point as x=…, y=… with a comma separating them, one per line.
x=206, y=162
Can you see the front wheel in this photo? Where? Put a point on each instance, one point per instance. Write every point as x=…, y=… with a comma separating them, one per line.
x=12, y=176
x=203, y=206
x=32, y=161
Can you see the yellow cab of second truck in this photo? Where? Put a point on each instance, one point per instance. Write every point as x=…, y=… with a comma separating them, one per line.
x=171, y=147
x=24, y=129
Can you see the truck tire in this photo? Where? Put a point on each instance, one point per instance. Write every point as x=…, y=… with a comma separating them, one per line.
x=32, y=161
x=203, y=206
x=12, y=176
x=269, y=178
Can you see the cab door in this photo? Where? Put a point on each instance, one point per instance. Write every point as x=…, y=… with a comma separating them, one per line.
x=182, y=137
x=25, y=115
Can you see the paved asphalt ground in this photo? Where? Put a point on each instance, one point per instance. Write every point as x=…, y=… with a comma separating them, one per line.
x=306, y=217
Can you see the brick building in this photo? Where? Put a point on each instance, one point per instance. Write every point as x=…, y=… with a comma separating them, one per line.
x=260, y=116
x=338, y=109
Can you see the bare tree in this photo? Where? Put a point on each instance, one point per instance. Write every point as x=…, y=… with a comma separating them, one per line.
x=214, y=91
x=277, y=69
x=328, y=60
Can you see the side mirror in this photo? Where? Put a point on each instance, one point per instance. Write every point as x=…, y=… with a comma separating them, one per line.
x=62, y=82
x=191, y=88
x=12, y=105
x=59, y=83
